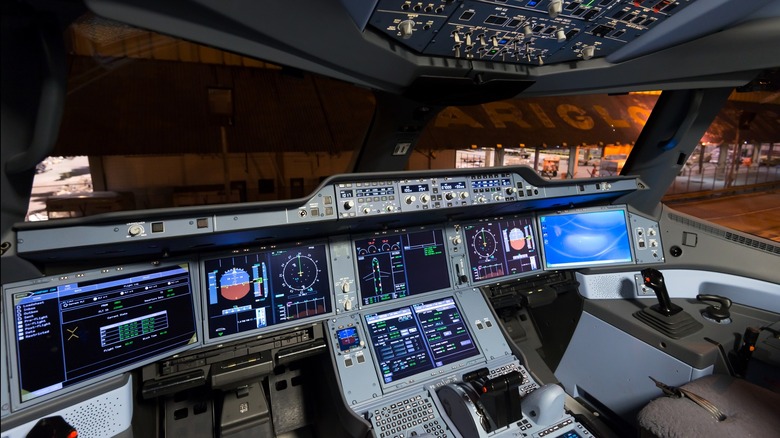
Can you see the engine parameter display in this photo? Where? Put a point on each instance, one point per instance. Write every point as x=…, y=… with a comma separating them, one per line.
x=400, y=265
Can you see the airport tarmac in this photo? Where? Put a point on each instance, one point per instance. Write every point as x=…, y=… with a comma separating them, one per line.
x=754, y=213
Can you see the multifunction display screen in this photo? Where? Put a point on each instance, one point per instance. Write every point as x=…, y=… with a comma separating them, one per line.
x=400, y=265
x=418, y=338
x=257, y=290
x=74, y=331
x=585, y=238
x=502, y=247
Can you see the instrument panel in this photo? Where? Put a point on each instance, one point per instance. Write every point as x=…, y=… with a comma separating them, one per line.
x=378, y=291
x=381, y=273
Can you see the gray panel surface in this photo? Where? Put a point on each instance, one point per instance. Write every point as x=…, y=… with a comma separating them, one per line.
x=611, y=366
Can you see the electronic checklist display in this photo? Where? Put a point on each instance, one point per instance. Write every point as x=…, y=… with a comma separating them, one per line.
x=67, y=331
x=251, y=291
x=502, y=247
x=398, y=265
x=589, y=237
x=414, y=339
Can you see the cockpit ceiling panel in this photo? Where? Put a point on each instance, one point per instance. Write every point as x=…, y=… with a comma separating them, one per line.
x=530, y=32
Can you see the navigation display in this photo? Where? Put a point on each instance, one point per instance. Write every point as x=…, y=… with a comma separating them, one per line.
x=75, y=328
x=502, y=247
x=252, y=291
x=418, y=338
x=585, y=238
x=400, y=265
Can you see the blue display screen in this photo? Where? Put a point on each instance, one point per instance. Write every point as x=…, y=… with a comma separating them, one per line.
x=586, y=238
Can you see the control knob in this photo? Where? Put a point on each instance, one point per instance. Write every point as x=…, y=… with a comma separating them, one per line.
x=348, y=305
x=588, y=52
x=389, y=208
x=425, y=198
x=410, y=199
x=498, y=197
x=457, y=240
x=481, y=199
x=406, y=28
x=366, y=210
x=135, y=230
x=511, y=190
x=349, y=204
x=464, y=195
x=449, y=196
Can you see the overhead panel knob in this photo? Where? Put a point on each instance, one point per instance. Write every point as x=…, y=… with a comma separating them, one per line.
x=588, y=52
x=406, y=28
x=560, y=35
x=554, y=8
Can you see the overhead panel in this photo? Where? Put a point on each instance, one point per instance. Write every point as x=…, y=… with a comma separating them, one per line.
x=531, y=32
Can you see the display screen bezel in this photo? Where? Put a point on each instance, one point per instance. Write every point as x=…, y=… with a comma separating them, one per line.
x=207, y=335
x=108, y=274
x=468, y=242
x=390, y=308
x=446, y=269
x=626, y=239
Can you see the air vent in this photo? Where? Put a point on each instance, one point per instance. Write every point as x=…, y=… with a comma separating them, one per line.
x=728, y=235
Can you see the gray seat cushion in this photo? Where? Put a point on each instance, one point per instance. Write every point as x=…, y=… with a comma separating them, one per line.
x=752, y=411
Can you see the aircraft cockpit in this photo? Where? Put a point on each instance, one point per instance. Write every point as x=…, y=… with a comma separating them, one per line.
x=387, y=301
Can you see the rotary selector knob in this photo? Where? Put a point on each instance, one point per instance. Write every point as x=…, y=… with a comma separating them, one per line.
x=457, y=240
x=481, y=199
x=348, y=305
x=498, y=197
x=464, y=195
x=410, y=199
x=389, y=208
x=449, y=196
x=511, y=190
x=406, y=28
x=345, y=287
x=588, y=52
x=425, y=198
x=348, y=205
x=135, y=230
x=366, y=210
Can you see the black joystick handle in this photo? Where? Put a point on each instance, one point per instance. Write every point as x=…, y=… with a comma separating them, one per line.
x=655, y=281
x=721, y=311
